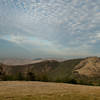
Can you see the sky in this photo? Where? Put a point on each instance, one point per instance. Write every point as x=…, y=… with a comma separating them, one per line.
x=49, y=28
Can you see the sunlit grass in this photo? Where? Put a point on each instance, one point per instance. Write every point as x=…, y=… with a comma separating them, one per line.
x=47, y=91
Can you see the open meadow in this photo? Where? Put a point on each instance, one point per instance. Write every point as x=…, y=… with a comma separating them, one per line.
x=21, y=90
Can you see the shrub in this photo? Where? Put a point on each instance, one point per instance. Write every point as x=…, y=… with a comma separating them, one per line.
x=30, y=76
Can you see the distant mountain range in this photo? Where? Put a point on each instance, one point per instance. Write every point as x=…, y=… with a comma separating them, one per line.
x=16, y=61
x=24, y=61
x=81, y=71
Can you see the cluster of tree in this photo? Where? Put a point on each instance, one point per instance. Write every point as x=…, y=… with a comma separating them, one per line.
x=30, y=76
x=19, y=76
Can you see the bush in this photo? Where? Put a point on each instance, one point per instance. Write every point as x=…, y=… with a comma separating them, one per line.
x=44, y=78
x=7, y=78
x=70, y=79
x=20, y=77
x=30, y=76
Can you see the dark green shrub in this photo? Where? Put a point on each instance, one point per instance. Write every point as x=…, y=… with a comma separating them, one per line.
x=30, y=76
x=45, y=78
x=20, y=77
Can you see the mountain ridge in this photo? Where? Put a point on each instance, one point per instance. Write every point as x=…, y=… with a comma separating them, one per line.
x=82, y=71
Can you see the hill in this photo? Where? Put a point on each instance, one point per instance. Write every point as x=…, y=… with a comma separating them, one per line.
x=39, y=69
x=47, y=70
x=88, y=70
x=77, y=71
x=63, y=71
x=17, y=61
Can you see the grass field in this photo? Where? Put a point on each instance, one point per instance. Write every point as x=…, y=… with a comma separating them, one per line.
x=16, y=90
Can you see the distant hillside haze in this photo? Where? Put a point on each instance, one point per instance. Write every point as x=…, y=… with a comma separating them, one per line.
x=15, y=61
x=80, y=71
x=23, y=61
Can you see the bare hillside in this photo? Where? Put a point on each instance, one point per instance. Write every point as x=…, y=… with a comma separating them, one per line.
x=89, y=67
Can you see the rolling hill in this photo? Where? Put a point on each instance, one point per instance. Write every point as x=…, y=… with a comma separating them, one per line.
x=88, y=71
x=81, y=71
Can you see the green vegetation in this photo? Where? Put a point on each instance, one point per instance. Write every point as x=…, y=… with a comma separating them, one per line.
x=18, y=76
x=64, y=70
x=47, y=71
x=30, y=76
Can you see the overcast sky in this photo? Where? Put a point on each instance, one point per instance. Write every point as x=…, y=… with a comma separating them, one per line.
x=49, y=28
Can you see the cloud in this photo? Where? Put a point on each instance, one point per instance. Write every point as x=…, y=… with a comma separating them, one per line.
x=52, y=26
x=44, y=48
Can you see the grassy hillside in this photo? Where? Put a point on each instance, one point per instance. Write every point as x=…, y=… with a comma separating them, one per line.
x=54, y=71
x=64, y=70
x=47, y=91
x=49, y=70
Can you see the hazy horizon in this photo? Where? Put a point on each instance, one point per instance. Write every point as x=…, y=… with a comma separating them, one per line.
x=49, y=28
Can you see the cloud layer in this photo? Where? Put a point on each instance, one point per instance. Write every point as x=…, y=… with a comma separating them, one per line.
x=52, y=28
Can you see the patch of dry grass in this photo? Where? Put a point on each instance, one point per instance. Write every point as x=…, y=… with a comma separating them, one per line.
x=16, y=90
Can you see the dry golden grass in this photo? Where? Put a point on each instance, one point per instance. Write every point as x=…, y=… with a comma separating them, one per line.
x=16, y=90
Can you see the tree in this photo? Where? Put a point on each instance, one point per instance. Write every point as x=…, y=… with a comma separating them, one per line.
x=30, y=76
x=20, y=76
x=44, y=78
